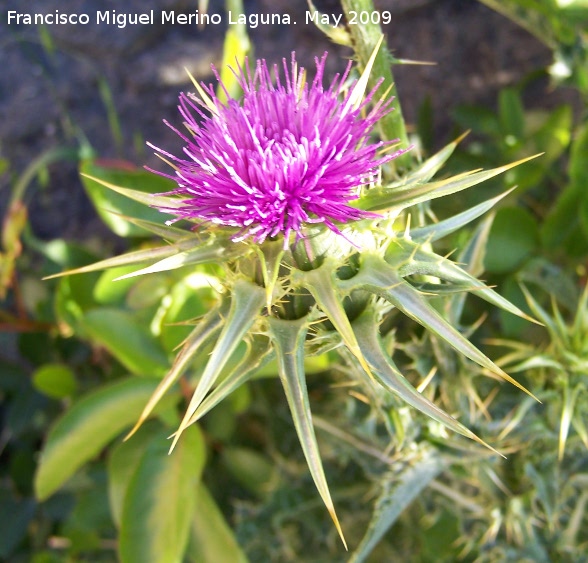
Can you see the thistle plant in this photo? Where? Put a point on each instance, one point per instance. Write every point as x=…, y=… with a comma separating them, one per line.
x=282, y=191
x=558, y=365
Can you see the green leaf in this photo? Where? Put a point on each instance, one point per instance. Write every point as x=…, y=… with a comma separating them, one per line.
x=511, y=113
x=401, y=197
x=436, y=231
x=426, y=170
x=258, y=355
x=94, y=178
x=567, y=223
x=123, y=463
x=218, y=251
x=211, y=538
x=159, y=504
x=128, y=341
x=130, y=258
x=554, y=135
x=562, y=228
x=73, y=298
x=288, y=338
x=477, y=118
x=145, y=294
x=337, y=34
x=200, y=337
x=379, y=277
x=109, y=292
x=15, y=516
x=578, y=169
x=55, y=380
x=388, y=376
x=472, y=256
x=252, y=469
x=65, y=254
x=90, y=424
x=246, y=303
x=90, y=518
x=552, y=279
x=399, y=492
x=165, y=232
x=190, y=298
x=414, y=259
x=321, y=283
x=514, y=236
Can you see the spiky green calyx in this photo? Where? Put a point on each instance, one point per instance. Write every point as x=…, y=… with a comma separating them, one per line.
x=325, y=291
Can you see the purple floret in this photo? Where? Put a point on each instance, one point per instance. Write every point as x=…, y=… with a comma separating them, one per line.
x=283, y=156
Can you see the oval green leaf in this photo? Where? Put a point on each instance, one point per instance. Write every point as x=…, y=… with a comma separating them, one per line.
x=123, y=463
x=514, y=236
x=159, y=504
x=55, y=380
x=90, y=424
x=127, y=340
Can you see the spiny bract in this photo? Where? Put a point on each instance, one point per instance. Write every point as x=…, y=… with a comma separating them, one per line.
x=285, y=191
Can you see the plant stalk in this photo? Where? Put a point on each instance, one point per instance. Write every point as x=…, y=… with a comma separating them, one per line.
x=364, y=38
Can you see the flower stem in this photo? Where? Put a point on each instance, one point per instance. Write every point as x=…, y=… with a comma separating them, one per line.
x=365, y=37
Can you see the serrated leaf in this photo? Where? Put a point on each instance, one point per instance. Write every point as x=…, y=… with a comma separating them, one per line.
x=399, y=491
x=159, y=504
x=127, y=340
x=288, y=338
x=90, y=424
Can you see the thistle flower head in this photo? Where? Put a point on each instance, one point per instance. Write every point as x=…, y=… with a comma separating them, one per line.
x=286, y=155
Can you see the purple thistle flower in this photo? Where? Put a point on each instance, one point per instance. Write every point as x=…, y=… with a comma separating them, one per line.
x=284, y=156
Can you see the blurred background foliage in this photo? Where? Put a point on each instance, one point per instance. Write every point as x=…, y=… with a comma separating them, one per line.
x=81, y=355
